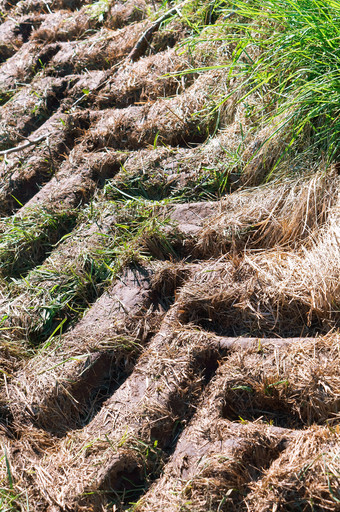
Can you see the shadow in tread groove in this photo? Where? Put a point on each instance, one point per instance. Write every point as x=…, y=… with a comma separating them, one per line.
x=130, y=473
x=108, y=342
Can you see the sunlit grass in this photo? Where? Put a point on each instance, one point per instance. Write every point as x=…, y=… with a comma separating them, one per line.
x=109, y=237
x=287, y=53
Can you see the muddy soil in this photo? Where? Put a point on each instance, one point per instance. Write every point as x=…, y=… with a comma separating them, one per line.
x=168, y=325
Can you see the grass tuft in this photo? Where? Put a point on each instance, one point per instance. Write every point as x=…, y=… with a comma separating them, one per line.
x=285, y=53
x=26, y=240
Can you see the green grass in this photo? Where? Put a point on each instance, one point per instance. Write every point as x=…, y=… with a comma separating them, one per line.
x=10, y=499
x=26, y=241
x=84, y=263
x=286, y=53
x=98, y=10
x=209, y=183
x=5, y=96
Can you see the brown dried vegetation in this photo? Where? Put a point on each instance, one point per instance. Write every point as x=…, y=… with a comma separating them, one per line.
x=168, y=323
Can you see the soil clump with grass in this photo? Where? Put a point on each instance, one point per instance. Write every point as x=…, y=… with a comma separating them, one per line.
x=169, y=256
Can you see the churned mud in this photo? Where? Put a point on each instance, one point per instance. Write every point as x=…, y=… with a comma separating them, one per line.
x=168, y=325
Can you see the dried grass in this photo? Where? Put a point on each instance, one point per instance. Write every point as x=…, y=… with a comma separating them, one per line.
x=100, y=51
x=162, y=390
x=305, y=477
x=285, y=292
x=143, y=81
x=247, y=463
x=282, y=214
x=57, y=389
x=25, y=172
x=169, y=121
x=293, y=387
x=251, y=426
x=64, y=26
x=127, y=12
x=29, y=109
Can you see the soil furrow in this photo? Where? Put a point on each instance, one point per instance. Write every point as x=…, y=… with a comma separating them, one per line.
x=214, y=467
x=14, y=33
x=76, y=179
x=67, y=25
x=170, y=122
x=91, y=360
x=101, y=51
x=236, y=300
x=20, y=69
x=221, y=458
x=150, y=407
x=24, y=173
x=146, y=84
x=29, y=109
x=73, y=274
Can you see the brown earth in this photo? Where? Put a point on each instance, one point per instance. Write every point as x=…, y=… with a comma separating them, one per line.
x=169, y=326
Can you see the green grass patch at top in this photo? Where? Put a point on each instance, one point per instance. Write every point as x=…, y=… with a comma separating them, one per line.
x=287, y=53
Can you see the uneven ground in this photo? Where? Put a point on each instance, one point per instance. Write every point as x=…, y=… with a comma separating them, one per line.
x=168, y=324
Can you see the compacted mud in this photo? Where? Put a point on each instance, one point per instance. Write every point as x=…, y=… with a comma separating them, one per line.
x=169, y=326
